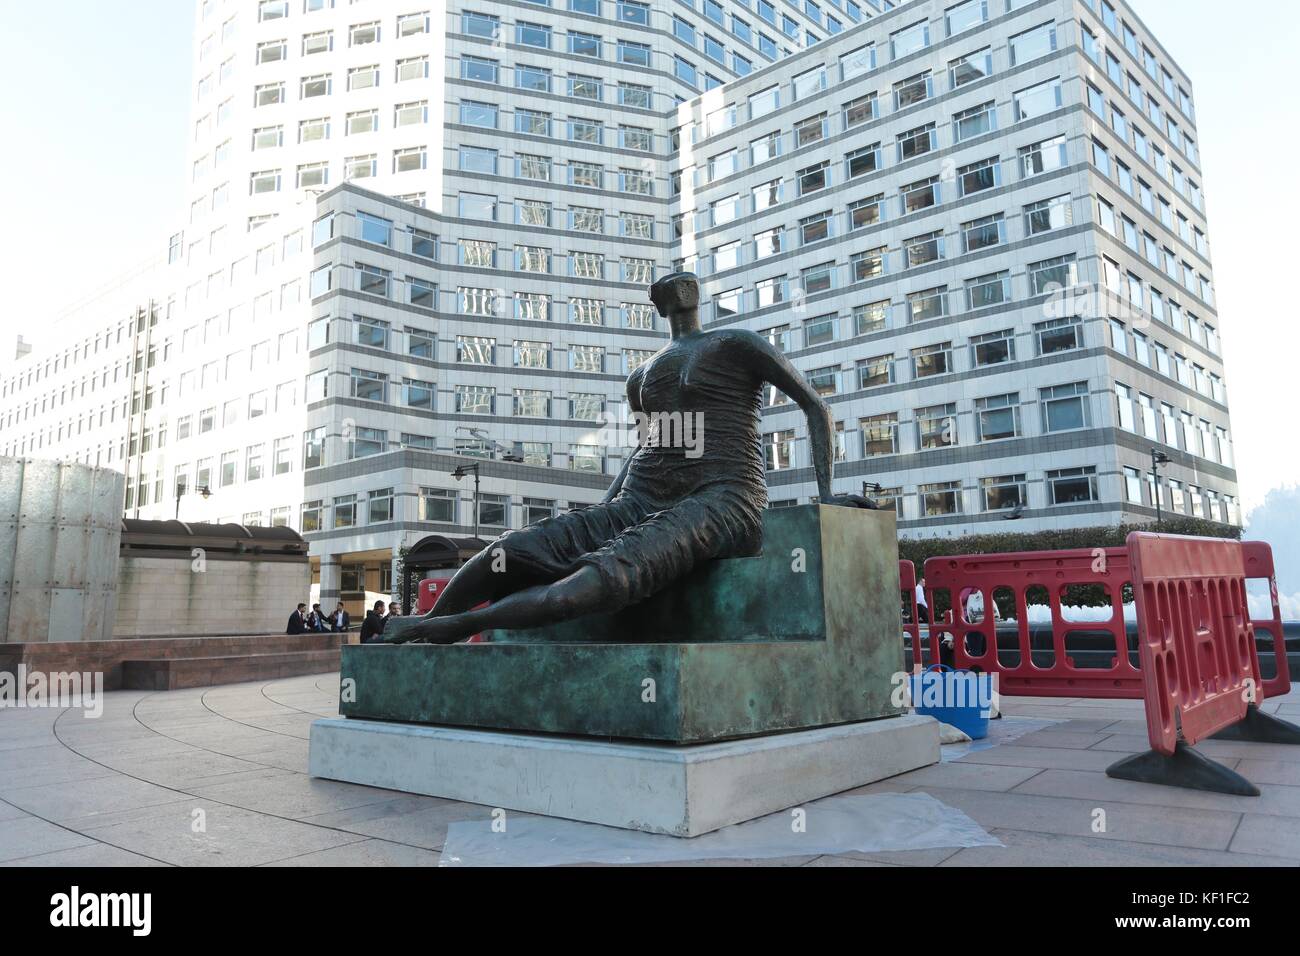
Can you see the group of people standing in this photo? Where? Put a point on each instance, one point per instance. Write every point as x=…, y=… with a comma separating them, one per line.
x=316, y=621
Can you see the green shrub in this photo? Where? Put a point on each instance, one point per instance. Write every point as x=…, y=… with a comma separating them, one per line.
x=917, y=550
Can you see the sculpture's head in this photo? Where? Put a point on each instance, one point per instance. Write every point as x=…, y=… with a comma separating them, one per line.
x=677, y=292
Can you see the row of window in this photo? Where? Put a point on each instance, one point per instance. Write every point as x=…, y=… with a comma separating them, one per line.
x=1160, y=421
x=1150, y=154
x=998, y=493
x=1145, y=104
x=356, y=78
x=316, y=175
x=1144, y=57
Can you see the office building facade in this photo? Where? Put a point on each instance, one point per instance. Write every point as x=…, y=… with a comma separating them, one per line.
x=418, y=240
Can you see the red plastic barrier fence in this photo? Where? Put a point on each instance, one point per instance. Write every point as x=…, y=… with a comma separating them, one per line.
x=911, y=623
x=1196, y=642
x=1259, y=564
x=1042, y=661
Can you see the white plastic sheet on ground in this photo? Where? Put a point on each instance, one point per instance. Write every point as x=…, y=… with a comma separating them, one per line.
x=1000, y=731
x=839, y=824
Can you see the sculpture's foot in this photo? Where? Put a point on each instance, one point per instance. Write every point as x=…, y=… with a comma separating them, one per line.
x=428, y=630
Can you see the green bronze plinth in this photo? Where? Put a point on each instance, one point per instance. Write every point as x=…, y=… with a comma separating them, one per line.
x=804, y=635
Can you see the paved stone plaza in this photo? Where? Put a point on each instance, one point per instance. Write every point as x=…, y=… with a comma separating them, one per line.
x=128, y=787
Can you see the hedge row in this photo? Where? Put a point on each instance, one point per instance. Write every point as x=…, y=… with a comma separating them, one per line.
x=1112, y=536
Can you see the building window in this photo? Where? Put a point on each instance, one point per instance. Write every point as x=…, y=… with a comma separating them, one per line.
x=940, y=498
x=936, y=426
x=909, y=40
x=345, y=511
x=1051, y=275
x=974, y=121
x=876, y=371
x=990, y=290
x=1003, y=493
x=778, y=450
x=993, y=348
x=927, y=304
x=1065, y=407
x=587, y=458
x=360, y=167
x=1032, y=44
x=1036, y=101
x=379, y=505
x=997, y=417
x=1048, y=214
x=437, y=504
x=1067, y=486
x=363, y=77
x=879, y=435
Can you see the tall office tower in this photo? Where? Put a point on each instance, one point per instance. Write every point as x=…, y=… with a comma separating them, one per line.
x=979, y=230
x=420, y=239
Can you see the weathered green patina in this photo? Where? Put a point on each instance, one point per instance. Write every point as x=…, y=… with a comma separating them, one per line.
x=731, y=600
x=805, y=635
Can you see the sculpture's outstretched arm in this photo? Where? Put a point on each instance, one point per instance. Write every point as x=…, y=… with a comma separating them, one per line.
x=775, y=369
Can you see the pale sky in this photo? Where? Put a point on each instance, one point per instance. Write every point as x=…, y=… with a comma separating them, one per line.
x=95, y=104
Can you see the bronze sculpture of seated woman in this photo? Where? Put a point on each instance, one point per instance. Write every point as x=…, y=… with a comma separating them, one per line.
x=675, y=503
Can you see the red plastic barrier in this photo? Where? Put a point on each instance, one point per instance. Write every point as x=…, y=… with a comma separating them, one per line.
x=1196, y=642
x=911, y=623
x=1033, y=668
x=1259, y=564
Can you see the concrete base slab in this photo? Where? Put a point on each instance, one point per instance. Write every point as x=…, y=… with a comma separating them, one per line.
x=657, y=788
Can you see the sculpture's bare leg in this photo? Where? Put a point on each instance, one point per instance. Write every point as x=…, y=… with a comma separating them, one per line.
x=476, y=581
x=582, y=592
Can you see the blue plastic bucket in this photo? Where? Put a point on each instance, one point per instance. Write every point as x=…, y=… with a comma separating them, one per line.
x=960, y=698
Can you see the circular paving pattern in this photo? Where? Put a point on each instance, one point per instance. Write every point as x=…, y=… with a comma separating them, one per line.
x=218, y=776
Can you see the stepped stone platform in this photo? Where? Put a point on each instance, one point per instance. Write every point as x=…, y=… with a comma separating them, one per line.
x=167, y=663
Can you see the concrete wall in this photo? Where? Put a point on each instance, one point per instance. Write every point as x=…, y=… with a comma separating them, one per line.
x=60, y=529
x=168, y=597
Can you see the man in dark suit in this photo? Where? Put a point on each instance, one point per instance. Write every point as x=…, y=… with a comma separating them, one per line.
x=316, y=619
x=339, y=620
x=298, y=620
x=372, y=628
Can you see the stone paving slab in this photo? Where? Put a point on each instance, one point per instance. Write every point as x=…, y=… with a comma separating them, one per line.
x=968, y=776
x=1160, y=825
x=1044, y=758
x=26, y=835
x=424, y=827
x=82, y=804
x=123, y=789
x=232, y=836
x=90, y=855
x=1267, y=835
x=1260, y=771
x=1027, y=848
x=1276, y=800
x=365, y=853
x=1062, y=739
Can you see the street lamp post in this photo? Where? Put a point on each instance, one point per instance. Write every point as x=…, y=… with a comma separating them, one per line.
x=205, y=491
x=460, y=472
x=493, y=448
x=1158, y=458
